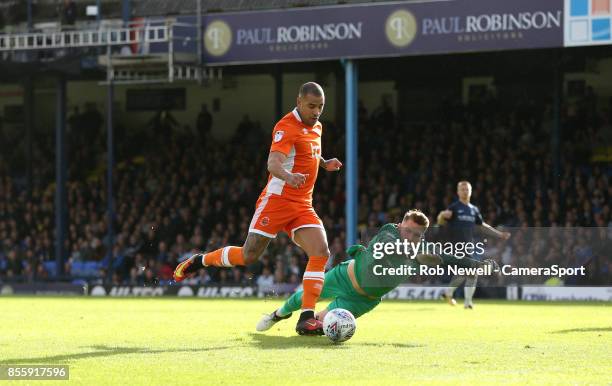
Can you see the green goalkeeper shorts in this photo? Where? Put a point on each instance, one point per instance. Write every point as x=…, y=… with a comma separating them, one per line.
x=338, y=287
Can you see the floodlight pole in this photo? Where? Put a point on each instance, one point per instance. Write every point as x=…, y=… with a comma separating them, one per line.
x=351, y=81
x=28, y=103
x=278, y=87
x=60, y=175
x=29, y=15
x=99, y=14
x=110, y=161
x=199, y=37
x=126, y=12
x=556, y=127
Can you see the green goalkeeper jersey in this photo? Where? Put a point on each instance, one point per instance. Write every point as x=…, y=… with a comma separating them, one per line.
x=365, y=261
x=372, y=284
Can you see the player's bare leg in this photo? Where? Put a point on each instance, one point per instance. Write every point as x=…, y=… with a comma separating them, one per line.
x=253, y=248
x=314, y=242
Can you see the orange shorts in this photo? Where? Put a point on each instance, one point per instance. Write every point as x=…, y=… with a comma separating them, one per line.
x=274, y=214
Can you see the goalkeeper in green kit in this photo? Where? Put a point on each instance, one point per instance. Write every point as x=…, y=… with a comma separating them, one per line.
x=357, y=285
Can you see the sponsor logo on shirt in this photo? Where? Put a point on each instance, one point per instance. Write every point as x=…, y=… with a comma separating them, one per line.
x=315, y=150
x=466, y=218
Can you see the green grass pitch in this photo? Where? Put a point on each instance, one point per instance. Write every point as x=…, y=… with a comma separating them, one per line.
x=195, y=341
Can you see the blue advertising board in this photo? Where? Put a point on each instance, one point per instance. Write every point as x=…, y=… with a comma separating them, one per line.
x=380, y=29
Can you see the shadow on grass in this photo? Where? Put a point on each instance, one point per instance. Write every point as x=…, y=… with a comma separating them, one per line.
x=428, y=309
x=290, y=342
x=585, y=329
x=103, y=351
x=394, y=345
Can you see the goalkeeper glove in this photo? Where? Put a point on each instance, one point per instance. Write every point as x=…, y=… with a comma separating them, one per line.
x=354, y=250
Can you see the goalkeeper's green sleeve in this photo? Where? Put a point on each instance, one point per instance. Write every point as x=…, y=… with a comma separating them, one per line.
x=354, y=250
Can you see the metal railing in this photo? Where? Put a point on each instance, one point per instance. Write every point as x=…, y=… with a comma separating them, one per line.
x=85, y=38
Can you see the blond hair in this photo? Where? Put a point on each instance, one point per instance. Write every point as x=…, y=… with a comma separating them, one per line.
x=417, y=216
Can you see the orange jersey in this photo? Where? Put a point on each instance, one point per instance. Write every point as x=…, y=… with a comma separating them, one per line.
x=302, y=146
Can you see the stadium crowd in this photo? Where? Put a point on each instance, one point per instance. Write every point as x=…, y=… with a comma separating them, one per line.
x=176, y=197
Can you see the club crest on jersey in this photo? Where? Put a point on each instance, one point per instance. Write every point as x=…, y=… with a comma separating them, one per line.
x=264, y=221
x=278, y=135
x=315, y=150
x=305, y=130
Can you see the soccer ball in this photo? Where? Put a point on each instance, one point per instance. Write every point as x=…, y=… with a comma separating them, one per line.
x=339, y=325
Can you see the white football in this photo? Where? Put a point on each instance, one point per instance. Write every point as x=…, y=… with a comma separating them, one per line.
x=339, y=325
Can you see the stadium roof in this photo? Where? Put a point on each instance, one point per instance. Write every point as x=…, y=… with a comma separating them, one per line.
x=162, y=7
x=15, y=11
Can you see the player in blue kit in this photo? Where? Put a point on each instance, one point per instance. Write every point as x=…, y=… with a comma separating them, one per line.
x=462, y=217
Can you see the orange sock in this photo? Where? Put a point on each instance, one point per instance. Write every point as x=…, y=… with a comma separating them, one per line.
x=313, y=282
x=224, y=257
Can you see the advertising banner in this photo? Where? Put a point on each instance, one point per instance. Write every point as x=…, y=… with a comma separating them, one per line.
x=376, y=30
x=567, y=293
x=221, y=291
x=587, y=22
x=53, y=289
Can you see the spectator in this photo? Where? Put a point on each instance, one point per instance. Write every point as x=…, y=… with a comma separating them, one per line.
x=69, y=12
x=204, y=122
x=183, y=197
x=265, y=282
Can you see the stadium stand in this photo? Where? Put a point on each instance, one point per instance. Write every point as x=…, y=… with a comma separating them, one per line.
x=179, y=196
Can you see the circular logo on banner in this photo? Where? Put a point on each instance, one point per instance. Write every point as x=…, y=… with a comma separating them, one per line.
x=6, y=290
x=401, y=28
x=98, y=291
x=185, y=291
x=217, y=38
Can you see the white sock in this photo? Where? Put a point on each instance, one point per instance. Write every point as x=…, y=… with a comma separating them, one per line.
x=452, y=286
x=449, y=292
x=470, y=288
x=279, y=313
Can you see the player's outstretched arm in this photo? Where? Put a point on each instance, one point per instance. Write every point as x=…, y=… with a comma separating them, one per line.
x=488, y=230
x=444, y=216
x=355, y=250
x=331, y=165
